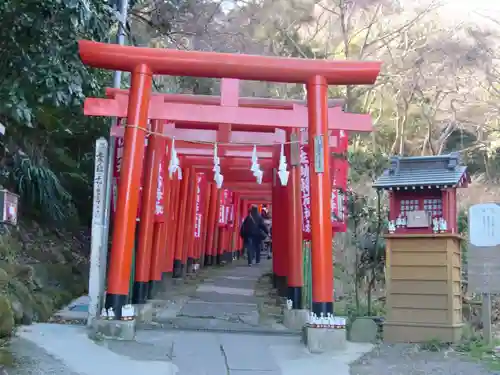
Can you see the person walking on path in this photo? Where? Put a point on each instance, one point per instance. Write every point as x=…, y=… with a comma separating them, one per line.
x=253, y=232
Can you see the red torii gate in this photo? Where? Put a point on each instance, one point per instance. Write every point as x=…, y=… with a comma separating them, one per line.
x=220, y=245
x=200, y=157
x=200, y=163
x=144, y=62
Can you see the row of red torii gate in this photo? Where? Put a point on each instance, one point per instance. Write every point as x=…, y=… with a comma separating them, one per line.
x=172, y=149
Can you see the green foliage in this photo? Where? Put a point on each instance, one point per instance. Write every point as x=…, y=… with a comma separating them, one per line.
x=365, y=164
x=46, y=153
x=367, y=220
x=463, y=222
x=473, y=344
x=196, y=86
x=40, y=188
x=367, y=213
x=353, y=309
x=40, y=65
x=433, y=345
x=348, y=308
x=38, y=274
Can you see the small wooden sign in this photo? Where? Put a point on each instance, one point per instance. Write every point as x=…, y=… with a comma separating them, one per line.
x=483, y=257
x=10, y=205
x=319, y=152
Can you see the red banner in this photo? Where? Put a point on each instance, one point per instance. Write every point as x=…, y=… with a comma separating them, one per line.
x=339, y=212
x=199, y=203
x=222, y=211
x=117, y=166
x=228, y=214
x=231, y=214
x=305, y=193
x=230, y=209
x=339, y=168
x=160, y=194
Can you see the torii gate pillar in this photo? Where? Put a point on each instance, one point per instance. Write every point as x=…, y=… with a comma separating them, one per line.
x=128, y=191
x=319, y=171
x=295, y=277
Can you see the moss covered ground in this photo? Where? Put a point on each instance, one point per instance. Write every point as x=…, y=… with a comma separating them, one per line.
x=40, y=271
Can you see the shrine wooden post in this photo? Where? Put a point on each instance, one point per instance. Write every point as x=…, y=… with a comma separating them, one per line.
x=279, y=235
x=204, y=226
x=187, y=241
x=181, y=220
x=168, y=267
x=128, y=190
x=321, y=190
x=295, y=278
x=162, y=199
x=145, y=233
x=163, y=232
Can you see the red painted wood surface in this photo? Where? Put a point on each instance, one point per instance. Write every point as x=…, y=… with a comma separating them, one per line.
x=220, y=65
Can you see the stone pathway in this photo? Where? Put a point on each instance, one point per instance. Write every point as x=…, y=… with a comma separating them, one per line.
x=225, y=302
x=199, y=345
x=32, y=359
x=67, y=350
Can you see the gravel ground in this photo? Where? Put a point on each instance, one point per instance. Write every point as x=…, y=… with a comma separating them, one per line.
x=409, y=360
x=31, y=360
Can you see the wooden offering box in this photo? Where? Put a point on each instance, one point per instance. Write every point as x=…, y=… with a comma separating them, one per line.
x=423, y=259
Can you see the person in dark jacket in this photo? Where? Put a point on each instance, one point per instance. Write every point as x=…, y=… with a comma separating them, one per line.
x=253, y=231
x=242, y=234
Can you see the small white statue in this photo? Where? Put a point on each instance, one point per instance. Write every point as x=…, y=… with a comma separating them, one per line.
x=128, y=312
x=289, y=304
x=403, y=221
x=310, y=318
x=435, y=225
x=391, y=226
x=330, y=320
x=443, y=226
x=104, y=313
x=322, y=320
x=399, y=222
x=313, y=320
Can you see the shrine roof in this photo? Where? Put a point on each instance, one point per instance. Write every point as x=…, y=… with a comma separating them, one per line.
x=429, y=171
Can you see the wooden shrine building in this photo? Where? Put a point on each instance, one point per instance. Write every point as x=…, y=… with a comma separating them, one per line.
x=423, y=257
